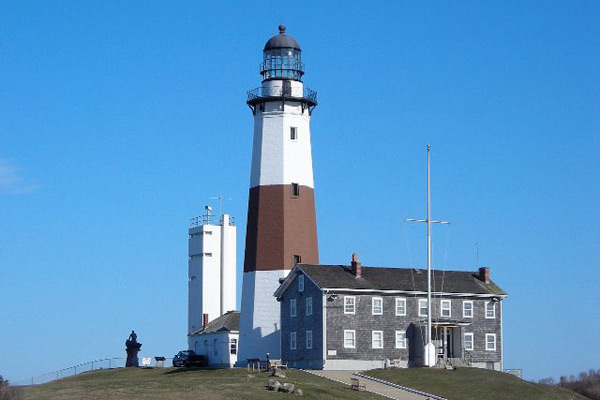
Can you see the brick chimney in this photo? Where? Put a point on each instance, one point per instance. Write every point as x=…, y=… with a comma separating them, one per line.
x=204, y=320
x=355, y=265
x=484, y=274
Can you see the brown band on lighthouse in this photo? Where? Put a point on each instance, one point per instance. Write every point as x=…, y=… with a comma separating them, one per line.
x=280, y=226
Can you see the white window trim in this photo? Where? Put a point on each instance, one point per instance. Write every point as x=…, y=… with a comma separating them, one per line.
x=309, y=301
x=472, y=336
x=301, y=283
x=422, y=301
x=373, y=339
x=353, y=304
x=373, y=306
x=309, y=335
x=293, y=308
x=400, y=300
x=493, y=309
x=403, y=344
x=346, y=331
x=449, y=309
x=293, y=341
x=487, y=335
x=464, y=309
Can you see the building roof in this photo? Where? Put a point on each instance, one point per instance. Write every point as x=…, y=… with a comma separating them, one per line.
x=401, y=279
x=282, y=41
x=229, y=322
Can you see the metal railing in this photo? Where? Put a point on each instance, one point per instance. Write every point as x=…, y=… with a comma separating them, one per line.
x=94, y=365
x=209, y=220
x=280, y=91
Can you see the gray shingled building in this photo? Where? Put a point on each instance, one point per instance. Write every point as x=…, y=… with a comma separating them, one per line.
x=353, y=317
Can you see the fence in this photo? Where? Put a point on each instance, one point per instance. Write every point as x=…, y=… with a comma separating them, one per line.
x=95, y=365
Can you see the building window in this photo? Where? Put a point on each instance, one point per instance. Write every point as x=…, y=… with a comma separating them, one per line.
x=207, y=232
x=490, y=309
x=233, y=346
x=467, y=309
x=349, y=304
x=349, y=339
x=490, y=341
x=293, y=308
x=445, y=308
x=377, y=306
x=400, y=306
x=469, y=341
x=309, y=339
x=293, y=133
x=295, y=190
x=422, y=307
x=377, y=339
x=297, y=259
x=293, y=343
x=300, y=282
x=207, y=254
x=215, y=347
x=401, y=340
x=309, y=306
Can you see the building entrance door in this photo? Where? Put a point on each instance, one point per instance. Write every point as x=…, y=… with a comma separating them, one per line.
x=449, y=342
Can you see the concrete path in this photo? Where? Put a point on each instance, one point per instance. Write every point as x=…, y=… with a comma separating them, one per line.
x=373, y=387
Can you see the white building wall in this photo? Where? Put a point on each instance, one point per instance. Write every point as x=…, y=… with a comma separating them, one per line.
x=216, y=348
x=228, y=266
x=260, y=325
x=212, y=282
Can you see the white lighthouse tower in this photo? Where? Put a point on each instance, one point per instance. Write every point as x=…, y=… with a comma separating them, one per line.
x=211, y=269
x=281, y=229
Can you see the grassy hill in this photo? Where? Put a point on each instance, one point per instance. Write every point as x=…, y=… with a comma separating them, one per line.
x=474, y=384
x=181, y=384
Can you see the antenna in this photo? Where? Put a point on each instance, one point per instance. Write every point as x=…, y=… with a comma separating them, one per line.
x=220, y=198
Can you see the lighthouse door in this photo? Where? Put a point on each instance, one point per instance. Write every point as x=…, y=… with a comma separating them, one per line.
x=287, y=88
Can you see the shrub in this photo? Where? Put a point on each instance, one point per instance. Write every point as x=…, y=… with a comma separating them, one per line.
x=588, y=384
x=6, y=392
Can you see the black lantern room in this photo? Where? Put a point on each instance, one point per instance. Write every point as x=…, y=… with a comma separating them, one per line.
x=281, y=58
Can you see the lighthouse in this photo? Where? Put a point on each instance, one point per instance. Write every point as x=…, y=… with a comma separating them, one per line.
x=281, y=229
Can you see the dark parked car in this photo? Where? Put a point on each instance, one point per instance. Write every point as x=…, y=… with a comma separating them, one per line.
x=187, y=358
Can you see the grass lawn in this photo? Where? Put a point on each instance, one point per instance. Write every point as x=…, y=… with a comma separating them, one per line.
x=473, y=384
x=182, y=384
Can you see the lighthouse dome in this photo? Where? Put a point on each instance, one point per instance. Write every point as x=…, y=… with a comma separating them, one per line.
x=281, y=58
x=282, y=41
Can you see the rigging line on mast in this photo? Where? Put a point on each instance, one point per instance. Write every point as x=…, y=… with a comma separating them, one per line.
x=446, y=251
x=412, y=276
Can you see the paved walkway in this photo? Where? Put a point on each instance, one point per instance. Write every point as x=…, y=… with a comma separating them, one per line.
x=373, y=387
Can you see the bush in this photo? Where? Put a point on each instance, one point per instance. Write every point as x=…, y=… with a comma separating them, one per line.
x=6, y=392
x=588, y=384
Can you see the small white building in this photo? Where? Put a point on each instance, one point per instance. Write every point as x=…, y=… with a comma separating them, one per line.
x=218, y=340
x=211, y=269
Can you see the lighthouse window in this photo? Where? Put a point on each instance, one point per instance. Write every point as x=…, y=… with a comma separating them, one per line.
x=298, y=260
x=293, y=133
x=295, y=190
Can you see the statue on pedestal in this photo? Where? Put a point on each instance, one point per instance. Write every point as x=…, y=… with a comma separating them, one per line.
x=132, y=348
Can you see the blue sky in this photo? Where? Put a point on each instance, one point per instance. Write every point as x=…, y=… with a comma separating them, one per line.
x=118, y=121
